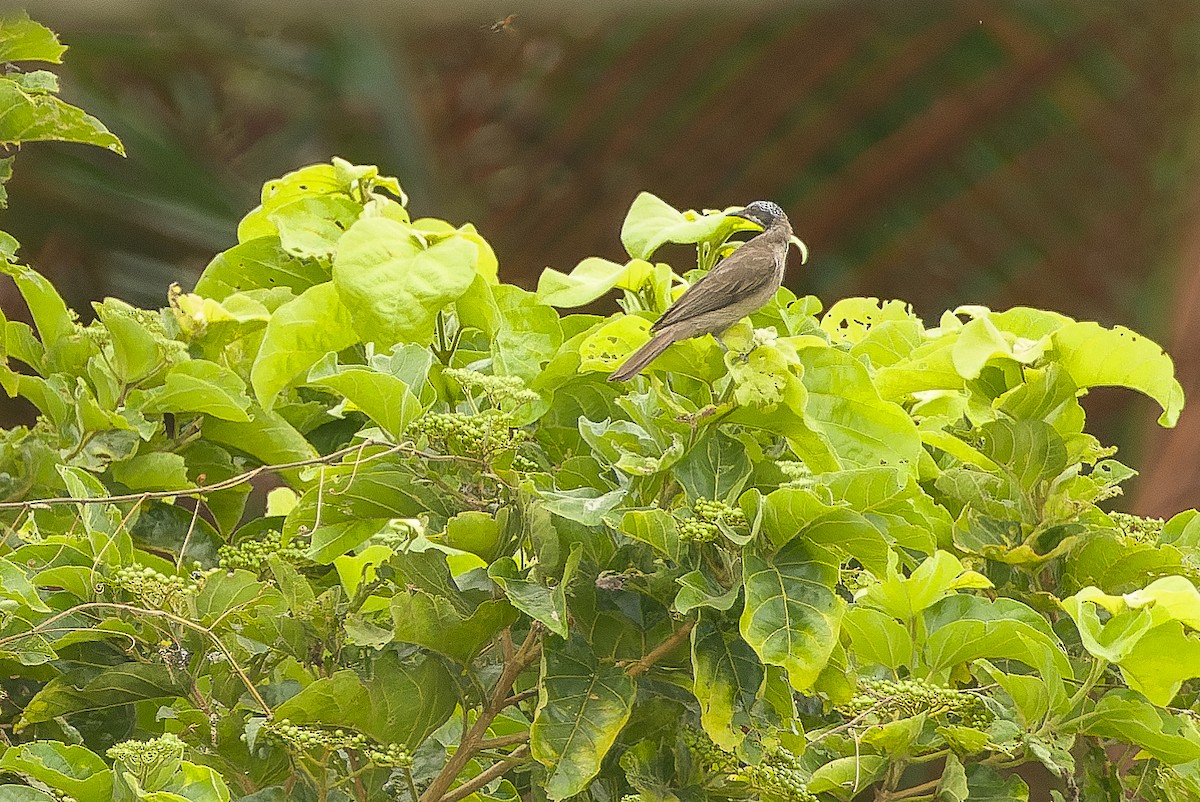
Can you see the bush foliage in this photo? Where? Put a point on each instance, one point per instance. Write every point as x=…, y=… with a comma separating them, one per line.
x=841, y=555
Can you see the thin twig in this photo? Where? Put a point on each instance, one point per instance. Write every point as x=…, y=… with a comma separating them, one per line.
x=224, y=484
x=480, y=780
x=505, y=740
x=161, y=614
x=468, y=747
x=651, y=657
x=516, y=699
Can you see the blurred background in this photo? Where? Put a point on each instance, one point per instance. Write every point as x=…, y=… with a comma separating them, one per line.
x=1042, y=153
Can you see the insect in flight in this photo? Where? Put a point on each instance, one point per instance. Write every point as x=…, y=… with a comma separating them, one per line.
x=505, y=24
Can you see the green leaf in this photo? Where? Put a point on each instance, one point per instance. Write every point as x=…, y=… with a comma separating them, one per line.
x=1030, y=449
x=158, y=470
x=541, y=603
x=310, y=227
x=259, y=263
x=23, y=793
x=964, y=628
x=53, y=320
x=267, y=437
x=299, y=334
x=528, y=334
x=1123, y=715
x=878, y=638
x=725, y=680
x=844, y=406
x=385, y=399
x=85, y=690
x=655, y=528
x=651, y=223
x=401, y=702
x=845, y=777
x=15, y=586
x=34, y=117
x=715, y=468
x=22, y=39
x=392, y=286
x=792, y=614
x=1161, y=661
x=988, y=785
x=699, y=589
x=136, y=351
x=198, y=386
x=590, y=279
x=68, y=768
x=582, y=706
x=434, y=623
x=980, y=341
x=1096, y=356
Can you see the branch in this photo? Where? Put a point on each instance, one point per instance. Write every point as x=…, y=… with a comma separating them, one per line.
x=225, y=484
x=505, y=740
x=497, y=770
x=161, y=614
x=661, y=650
x=469, y=746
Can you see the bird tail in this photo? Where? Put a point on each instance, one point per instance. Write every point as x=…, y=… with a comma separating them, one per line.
x=643, y=356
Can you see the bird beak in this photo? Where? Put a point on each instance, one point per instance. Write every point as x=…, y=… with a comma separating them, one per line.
x=742, y=214
x=799, y=243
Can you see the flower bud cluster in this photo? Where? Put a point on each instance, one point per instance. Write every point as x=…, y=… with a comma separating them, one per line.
x=908, y=698
x=155, y=589
x=298, y=738
x=495, y=388
x=704, y=525
x=140, y=755
x=481, y=435
x=250, y=555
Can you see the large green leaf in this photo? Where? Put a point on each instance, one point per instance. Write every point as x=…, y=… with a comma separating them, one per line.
x=964, y=628
x=590, y=279
x=68, y=768
x=540, y=602
x=582, y=706
x=85, y=690
x=651, y=223
x=1123, y=715
x=878, y=637
x=31, y=117
x=22, y=39
x=725, y=680
x=198, y=386
x=716, y=468
x=843, y=405
x=260, y=263
x=384, y=398
x=1096, y=356
x=300, y=333
x=433, y=622
x=401, y=702
x=792, y=614
x=394, y=287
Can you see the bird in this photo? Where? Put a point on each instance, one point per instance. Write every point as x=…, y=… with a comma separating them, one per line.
x=741, y=283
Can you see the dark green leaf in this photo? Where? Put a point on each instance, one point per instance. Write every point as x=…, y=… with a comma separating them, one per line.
x=792, y=615
x=582, y=706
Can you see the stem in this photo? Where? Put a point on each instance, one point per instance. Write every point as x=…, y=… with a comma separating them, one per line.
x=225, y=484
x=183, y=622
x=412, y=784
x=471, y=740
x=923, y=789
x=504, y=740
x=482, y=779
x=661, y=650
x=1095, y=674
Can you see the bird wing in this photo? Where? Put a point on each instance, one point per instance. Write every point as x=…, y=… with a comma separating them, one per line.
x=735, y=283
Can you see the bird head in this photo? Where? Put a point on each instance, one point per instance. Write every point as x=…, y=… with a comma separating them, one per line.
x=762, y=212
